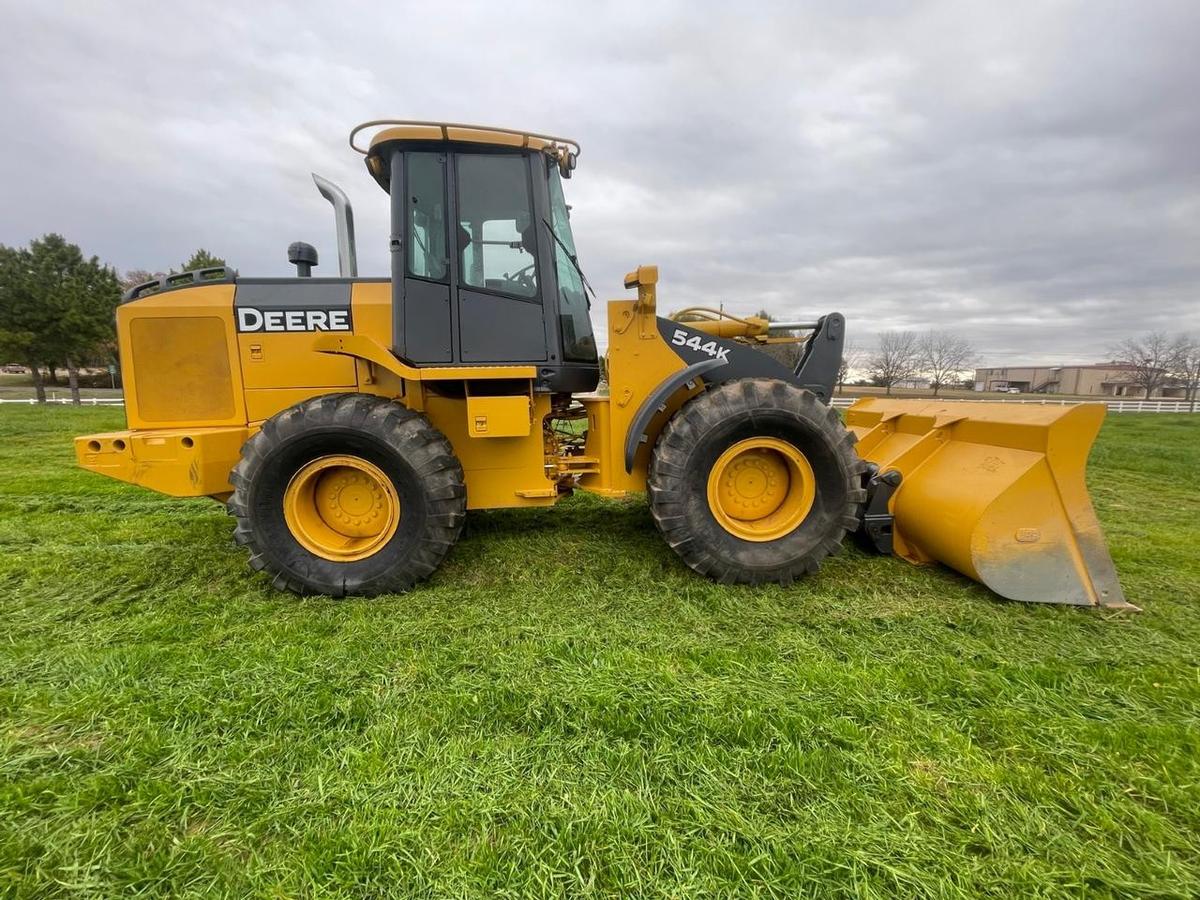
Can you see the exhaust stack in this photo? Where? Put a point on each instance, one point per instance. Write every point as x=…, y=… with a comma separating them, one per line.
x=343, y=215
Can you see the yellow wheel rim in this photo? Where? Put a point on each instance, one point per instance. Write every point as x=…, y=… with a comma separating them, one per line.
x=761, y=488
x=341, y=508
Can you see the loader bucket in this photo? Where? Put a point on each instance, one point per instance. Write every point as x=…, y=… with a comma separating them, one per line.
x=995, y=491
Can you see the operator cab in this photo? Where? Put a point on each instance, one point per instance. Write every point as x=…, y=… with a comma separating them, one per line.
x=484, y=270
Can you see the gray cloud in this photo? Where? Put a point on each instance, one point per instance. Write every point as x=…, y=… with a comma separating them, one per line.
x=1028, y=174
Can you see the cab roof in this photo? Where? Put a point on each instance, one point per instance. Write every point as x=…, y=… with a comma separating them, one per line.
x=412, y=130
x=564, y=151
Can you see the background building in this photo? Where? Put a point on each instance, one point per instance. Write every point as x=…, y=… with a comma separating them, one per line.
x=1099, y=380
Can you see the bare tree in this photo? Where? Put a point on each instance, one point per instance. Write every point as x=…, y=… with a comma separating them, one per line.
x=134, y=277
x=944, y=356
x=1185, y=366
x=1148, y=360
x=896, y=358
x=852, y=358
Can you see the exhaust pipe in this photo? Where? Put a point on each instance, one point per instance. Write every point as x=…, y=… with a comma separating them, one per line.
x=343, y=215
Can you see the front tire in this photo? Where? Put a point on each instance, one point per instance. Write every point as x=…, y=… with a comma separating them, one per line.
x=347, y=494
x=755, y=481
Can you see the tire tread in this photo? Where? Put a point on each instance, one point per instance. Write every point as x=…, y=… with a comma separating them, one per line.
x=423, y=448
x=668, y=471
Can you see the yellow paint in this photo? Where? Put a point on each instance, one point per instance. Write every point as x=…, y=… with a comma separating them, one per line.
x=341, y=508
x=412, y=130
x=371, y=308
x=995, y=491
x=644, y=278
x=761, y=489
x=176, y=352
x=264, y=403
x=409, y=133
x=371, y=350
x=498, y=439
x=280, y=360
x=638, y=361
x=498, y=417
x=182, y=462
x=486, y=136
x=603, y=448
x=722, y=324
x=366, y=348
x=371, y=304
x=500, y=472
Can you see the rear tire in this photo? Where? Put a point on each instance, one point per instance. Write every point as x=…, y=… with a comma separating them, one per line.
x=755, y=481
x=347, y=494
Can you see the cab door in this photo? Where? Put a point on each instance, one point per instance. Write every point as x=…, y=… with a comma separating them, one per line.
x=426, y=326
x=500, y=313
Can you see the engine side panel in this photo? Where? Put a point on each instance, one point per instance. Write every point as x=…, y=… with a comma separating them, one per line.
x=178, y=355
x=205, y=366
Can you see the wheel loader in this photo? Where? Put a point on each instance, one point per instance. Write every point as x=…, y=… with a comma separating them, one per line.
x=349, y=424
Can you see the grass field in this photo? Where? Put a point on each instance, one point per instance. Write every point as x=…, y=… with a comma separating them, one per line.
x=564, y=710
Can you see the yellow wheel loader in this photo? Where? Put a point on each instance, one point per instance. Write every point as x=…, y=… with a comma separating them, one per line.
x=349, y=424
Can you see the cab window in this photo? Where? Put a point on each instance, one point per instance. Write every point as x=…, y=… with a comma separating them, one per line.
x=574, y=321
x=427, y=256
x=497, y=237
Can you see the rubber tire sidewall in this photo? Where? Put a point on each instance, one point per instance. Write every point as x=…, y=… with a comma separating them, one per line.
x=265, y=508
x=812, y=531
x=679, y=490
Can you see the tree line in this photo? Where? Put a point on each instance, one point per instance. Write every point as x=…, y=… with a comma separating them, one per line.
x=1152, y=361
x=1158, y=360
x=899, y=356
x=57, y=308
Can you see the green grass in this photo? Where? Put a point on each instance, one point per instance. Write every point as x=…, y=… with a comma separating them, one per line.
x=565, y=710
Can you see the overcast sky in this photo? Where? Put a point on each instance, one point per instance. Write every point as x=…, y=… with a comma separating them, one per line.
x=1025, y=173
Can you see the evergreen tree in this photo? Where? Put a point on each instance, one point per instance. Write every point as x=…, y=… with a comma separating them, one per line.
x=201, y=259
x=55, y=305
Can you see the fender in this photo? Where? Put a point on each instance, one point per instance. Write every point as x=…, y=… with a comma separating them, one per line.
x=740, y=360
x=721, y=360
x=817, y=370
x=656, y=402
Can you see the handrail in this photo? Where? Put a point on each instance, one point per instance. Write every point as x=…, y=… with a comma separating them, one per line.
x=568, y=142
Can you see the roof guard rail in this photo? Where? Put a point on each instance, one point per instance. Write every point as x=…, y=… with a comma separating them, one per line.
x=567, y=143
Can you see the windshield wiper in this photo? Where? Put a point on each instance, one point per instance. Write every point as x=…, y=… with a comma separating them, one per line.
x=572, y=258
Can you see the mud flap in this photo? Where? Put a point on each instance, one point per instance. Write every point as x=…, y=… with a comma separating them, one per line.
x=995, y=491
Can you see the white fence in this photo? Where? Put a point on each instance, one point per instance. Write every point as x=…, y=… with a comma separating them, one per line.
x=1157, y=406
x=1149, y=406
x=86, y=401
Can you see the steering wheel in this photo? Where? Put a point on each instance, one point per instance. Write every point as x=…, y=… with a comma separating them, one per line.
x=524, y=278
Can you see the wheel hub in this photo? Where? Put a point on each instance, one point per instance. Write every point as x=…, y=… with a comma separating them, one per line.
x=761, y=489
x=350, y=501
x=341, y=508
